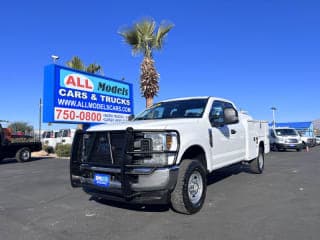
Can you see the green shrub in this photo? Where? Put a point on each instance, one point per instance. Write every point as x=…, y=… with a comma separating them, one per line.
x=63, y=150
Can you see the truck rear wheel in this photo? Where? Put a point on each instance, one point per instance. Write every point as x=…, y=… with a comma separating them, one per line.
x=190, y=191
x=257, y=164
x=23, y=155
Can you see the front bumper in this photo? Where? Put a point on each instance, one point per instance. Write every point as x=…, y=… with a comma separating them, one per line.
x=135, y=185
x=289, y=145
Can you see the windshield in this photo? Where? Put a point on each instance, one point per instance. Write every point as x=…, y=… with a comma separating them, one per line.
x=192, y=108
x=46, y=134
x=286, y=132
x=64, y=133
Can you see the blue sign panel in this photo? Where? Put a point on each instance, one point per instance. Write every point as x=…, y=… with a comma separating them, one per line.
x=79, y=97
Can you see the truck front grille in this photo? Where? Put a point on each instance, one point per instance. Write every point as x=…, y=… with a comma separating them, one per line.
x=104, y=148
x=291, y=140
x=118, y=146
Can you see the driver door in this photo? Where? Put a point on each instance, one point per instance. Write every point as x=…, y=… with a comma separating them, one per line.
x=220, y=135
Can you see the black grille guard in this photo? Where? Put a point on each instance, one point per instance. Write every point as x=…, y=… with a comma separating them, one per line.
x=126, y=166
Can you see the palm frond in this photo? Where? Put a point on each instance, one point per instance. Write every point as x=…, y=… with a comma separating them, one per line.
x=131, y=37
x=76, y=63
x=162, y=32
x=94, y=68
x=143, y=37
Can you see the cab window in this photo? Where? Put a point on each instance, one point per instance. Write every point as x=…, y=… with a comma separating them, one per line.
x=217, y=112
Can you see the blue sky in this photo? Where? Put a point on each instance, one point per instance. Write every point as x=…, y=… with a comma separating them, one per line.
x=258, y=53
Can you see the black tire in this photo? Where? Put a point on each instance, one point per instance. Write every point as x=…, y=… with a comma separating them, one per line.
x=23, y=155
x=185, y=198
x=275, y=148
x=257, y=164
x=298, y=149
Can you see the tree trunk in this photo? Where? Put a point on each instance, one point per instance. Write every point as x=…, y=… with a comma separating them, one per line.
x=149, y=102
x=149, y=80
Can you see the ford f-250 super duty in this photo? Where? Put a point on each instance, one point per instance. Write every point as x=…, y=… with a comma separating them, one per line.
x=166, y=152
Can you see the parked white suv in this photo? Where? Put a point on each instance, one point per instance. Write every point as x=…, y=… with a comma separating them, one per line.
x=308, y=140
x=54, y=137
x=50, y=139
x=66, y=135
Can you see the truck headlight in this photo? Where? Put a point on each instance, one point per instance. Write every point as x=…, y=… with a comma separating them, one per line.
x=163, y=141
x=280, y=140
x=163, y=146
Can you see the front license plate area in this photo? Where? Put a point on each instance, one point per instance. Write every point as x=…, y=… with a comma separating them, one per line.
x=101, y=180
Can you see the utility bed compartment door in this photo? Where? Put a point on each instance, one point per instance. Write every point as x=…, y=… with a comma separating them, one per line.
x=257, y=131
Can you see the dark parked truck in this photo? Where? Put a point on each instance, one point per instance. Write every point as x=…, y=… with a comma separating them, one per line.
x=164, y=154
x=20, y=150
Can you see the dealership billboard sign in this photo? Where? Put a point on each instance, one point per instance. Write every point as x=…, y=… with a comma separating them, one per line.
x=72, y=96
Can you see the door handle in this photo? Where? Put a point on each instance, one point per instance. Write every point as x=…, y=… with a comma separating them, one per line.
x=233, y=131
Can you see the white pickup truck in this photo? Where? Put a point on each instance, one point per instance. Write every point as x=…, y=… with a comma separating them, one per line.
x=164, y=154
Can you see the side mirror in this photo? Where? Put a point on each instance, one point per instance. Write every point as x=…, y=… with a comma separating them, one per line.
x=230, y=116
x=131, y=117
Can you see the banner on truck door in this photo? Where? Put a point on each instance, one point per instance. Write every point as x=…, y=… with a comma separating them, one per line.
x=77, y=97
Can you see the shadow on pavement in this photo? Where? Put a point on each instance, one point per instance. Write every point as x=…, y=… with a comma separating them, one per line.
x=13, y=160
x=132, y=207
x=212, y=178
x=223, y=173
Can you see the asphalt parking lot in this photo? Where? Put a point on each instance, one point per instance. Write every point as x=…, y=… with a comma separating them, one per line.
x=37, y=202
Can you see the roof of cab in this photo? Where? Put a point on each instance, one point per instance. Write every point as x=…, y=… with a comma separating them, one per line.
x=197, y=97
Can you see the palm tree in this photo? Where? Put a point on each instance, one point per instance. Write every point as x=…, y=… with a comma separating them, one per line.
x=94, y=68
x=143, y=38
x=76, y=63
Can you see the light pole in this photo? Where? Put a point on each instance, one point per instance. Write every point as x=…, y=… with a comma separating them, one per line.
x=40, y=118
x=54, y=58
x=273, y=114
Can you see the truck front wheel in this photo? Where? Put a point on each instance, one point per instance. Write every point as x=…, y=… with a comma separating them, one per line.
x=23, y=155
x=190, y=191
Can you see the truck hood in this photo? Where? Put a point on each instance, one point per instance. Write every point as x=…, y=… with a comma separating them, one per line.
x=159, y=124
